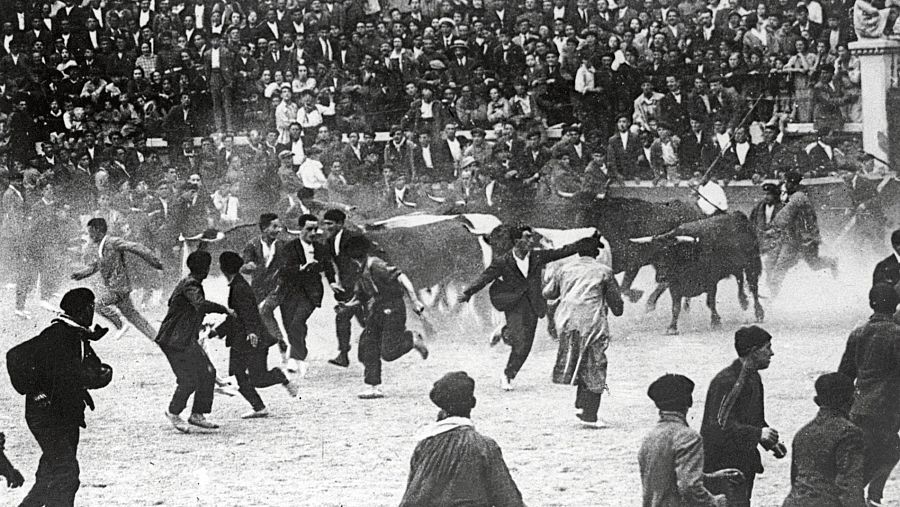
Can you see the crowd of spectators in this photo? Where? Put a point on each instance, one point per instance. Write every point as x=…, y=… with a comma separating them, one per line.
x=645, y=90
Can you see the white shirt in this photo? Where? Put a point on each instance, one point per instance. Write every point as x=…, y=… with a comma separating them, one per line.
x=310, y=173
x=426, y=156
x=770, y=212
x=522, y=263
x=98, y=15
x=143, y=18
x=94, y=42
x=559, y=12
x=741, y=150
x=647, y=154
x=268, y=252
x=7, y=39
x=427, y=110
x=455, y=149
x=297, y=150
x=337, y=242
x=308, y=251
x=274, y=28
x=20, y=18
x=624, y=136
x=722, y=140
x=214, y=58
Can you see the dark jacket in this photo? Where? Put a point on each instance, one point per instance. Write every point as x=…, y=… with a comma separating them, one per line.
x=187, y=307
x=827, y=463
x=734, y=446
x=242, y=301
x=459, y=467
x=872, y=359
x=887, y=271
x=346, y=269
x=526, y=291
x=293, y=282
x=58, y=376
x=264, y=279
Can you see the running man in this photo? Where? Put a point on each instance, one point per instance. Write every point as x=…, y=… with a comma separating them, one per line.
x=116, y=291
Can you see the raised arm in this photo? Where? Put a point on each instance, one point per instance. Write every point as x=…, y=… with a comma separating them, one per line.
x=194, y=295
x=137, y=249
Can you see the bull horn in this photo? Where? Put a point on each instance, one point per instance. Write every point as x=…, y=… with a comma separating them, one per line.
x=686, y=239
x=642, y=240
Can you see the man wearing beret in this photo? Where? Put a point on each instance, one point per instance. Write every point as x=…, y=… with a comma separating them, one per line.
x=827, y=464
x=872, y=359
x=55, y=403
x=763, y=219
x=734, y=419
x=671, y=455
x=517, y=289
x=453, y=464
x=798, y=234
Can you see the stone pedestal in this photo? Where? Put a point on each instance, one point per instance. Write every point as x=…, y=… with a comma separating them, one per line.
x=879, y=62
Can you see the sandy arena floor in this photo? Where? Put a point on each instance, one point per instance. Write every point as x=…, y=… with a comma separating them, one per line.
x=331, y=449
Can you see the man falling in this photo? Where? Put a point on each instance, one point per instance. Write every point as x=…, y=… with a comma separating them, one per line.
x=116, y=291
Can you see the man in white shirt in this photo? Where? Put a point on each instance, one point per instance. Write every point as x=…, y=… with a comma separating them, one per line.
x=310, y=173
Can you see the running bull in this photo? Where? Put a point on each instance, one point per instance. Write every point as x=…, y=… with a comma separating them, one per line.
x=693, y=257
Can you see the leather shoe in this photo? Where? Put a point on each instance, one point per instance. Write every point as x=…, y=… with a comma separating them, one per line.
x=178, y=422
x=341, y=360
x=256, y=414
x=200, y=421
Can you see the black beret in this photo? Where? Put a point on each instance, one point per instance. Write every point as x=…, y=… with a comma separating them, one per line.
x=771, y=188
x=884, y=296
x=76, y=299
x=834, y=389
x=748, y=338
x=454, y=392
x=671, y=391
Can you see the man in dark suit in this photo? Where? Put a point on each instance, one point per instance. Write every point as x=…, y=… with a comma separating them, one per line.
x=248, y=340
x=674, y=108
x=804, y=24
x=54, y=405
x=623, y=149
x=217, y=62
x=263, y=258
x=517, y=292
x=695, y=150
x=346, y=271
x=888, y=270
x=177, y=338
x=300, y=289
x=179, y=123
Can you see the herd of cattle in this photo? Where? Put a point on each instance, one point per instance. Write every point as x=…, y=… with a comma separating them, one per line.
x=690, y=252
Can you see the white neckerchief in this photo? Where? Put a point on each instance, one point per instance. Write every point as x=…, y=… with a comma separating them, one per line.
x=337, y=242
x=443, y=426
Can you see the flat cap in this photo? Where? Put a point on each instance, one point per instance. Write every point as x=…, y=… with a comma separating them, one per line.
x=671, y=391
x=748, y=338
x=453, y=392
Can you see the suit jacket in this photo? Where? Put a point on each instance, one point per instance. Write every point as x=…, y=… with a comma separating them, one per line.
x=112, y=266
x=225, y=64
x=187, y=306
x=525, y=290
x=887, y=271
x=306, y=284
x=264, y=280
x=346, y=270
x=248, y=321
x=675, y=114
x=726, y=167
x=622, y=159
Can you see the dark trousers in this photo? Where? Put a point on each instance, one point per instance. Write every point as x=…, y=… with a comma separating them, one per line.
x=385, y=337
x=343, y=318
x=195, y=375
x=251, y=371
x=882, y=452
x=107, y=303
x=519, y=334
x=220, y=92
x=56, y=480
x=295, y=310
x=588, y=402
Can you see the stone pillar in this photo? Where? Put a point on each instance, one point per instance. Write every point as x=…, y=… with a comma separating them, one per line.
x=878, y=73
